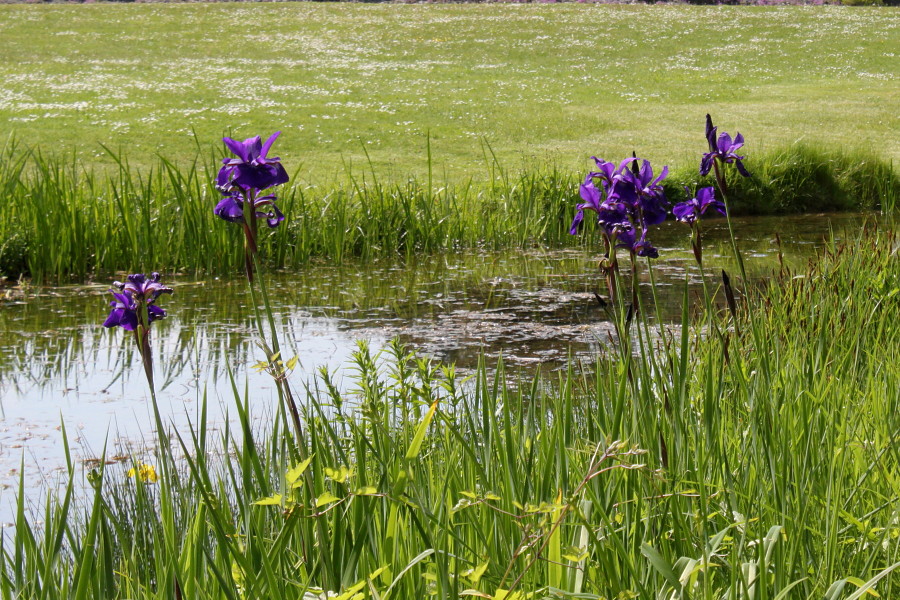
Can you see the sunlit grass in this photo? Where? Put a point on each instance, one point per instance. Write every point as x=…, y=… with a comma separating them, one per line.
x=541, y=83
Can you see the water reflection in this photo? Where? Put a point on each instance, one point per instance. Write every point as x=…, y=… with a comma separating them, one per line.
x=59, y=366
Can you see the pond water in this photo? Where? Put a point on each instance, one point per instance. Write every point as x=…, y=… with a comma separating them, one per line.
x=60, y=368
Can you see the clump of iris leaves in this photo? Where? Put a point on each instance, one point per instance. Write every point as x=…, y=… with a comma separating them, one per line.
x=749, y=453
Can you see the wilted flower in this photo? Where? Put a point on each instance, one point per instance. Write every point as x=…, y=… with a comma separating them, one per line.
x=252, y=169
x=690, y=211
x=644, y=248
x=722, y=148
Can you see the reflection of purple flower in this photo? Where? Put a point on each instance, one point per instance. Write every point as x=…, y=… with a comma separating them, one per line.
x=689, y=212
x=252, y=169
x=722, y=148
x=138, y=291
x=231, y=208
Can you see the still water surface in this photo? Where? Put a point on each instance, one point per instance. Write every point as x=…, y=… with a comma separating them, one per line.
x=60, y=368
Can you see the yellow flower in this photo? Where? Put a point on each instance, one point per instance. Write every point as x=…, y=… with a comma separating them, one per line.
x=145, y=472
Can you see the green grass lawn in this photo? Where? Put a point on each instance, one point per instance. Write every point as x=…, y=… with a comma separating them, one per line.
x=540, y=83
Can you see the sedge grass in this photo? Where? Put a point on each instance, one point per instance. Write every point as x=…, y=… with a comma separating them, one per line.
x=761, y=463
x=69, y=223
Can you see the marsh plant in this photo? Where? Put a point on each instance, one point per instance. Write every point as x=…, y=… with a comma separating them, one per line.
x=628, y=200
x=760, y=468
x=134, y=309
x=246, y=182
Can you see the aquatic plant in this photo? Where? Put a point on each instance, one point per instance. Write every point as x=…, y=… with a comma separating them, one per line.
x=690, y=212
x=134, y=309
x=722, y=149
x=418, y=483
x=243, y=181
x=252, y=169
x=635, y=199
x=414, y=484
x=628, y=202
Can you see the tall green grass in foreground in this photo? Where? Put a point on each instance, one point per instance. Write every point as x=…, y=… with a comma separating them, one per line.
x=66, y=223
x=758, y=462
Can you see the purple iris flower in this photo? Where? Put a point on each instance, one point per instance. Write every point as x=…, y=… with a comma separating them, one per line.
x=138, y=290
x=124, y=312
x=623, y=235
x=638, y=188
x=591, y=196
x=689, y=212
x=644, y=248
x=722, y=148
x=231, y=208
x=252, y=169
x=606, y=172
x=609, y=214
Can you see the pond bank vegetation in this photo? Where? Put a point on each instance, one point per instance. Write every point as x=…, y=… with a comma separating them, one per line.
x=69, y=223
x=759, y=461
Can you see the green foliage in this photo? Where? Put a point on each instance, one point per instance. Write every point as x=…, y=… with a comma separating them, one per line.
x=69, y=223
x=805, y=179
x=354, y=83
x=761, y=460
x=14, y=256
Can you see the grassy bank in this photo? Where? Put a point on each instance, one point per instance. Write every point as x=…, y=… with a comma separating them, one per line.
x=760, y=463
x=66, y=223
x=543, y=84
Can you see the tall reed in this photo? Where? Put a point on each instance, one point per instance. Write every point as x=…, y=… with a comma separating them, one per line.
x=64, y=223
x=768, y=469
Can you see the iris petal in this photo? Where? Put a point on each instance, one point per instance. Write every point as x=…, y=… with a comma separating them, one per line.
x=230, y=209
x=579, y=217
x=237, y=148
x=268, y=145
